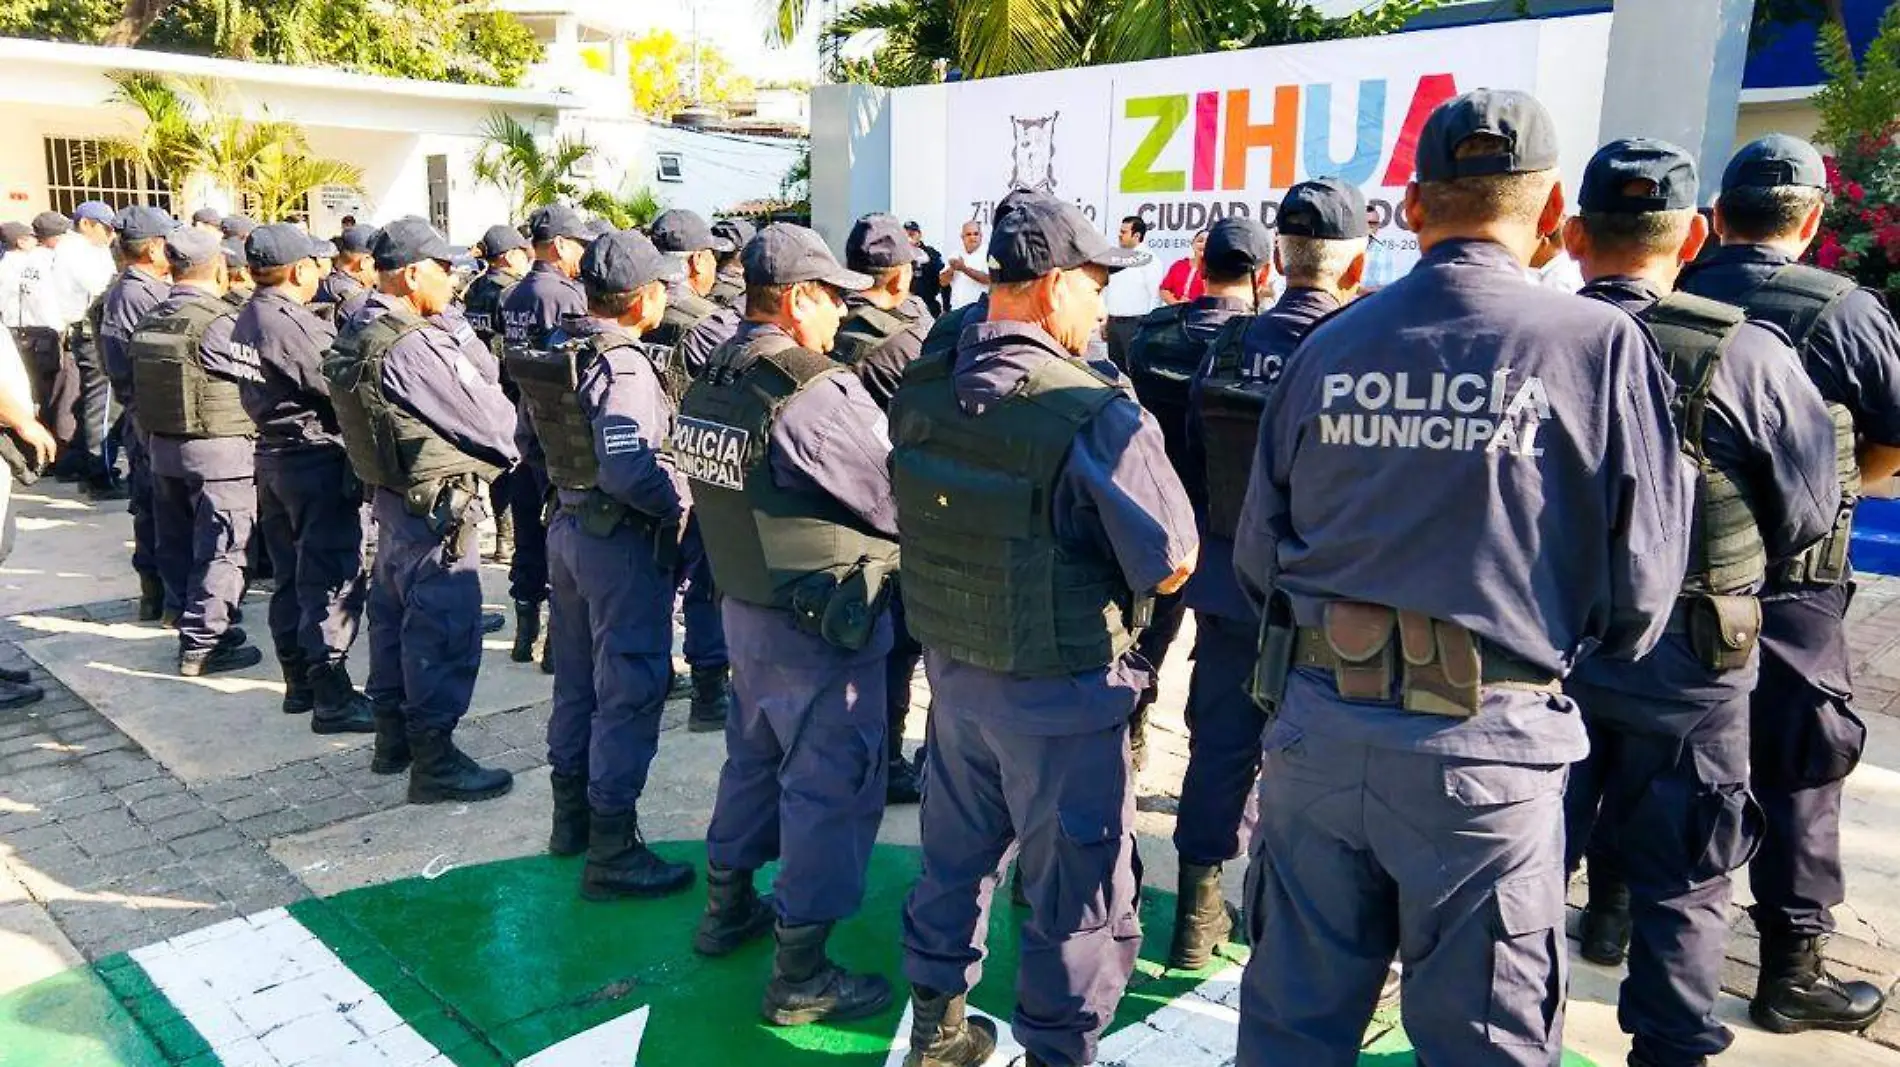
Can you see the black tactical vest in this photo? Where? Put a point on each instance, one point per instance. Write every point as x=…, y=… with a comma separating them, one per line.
x=1796, y=298
x=774, y=547
x=1162, y=359
x=1726, y=553
x=868, y=329
x=941, y=341
x=1231, y=404
x=683, y=312
x=388, y=447
x=729, y=292
x=176, y=396
x=986, y=582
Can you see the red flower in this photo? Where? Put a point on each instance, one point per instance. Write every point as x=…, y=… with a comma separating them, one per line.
x=1828, y=254
x=1855, y=192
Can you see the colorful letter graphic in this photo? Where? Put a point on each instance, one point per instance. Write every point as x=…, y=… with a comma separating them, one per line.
x=1139, y=175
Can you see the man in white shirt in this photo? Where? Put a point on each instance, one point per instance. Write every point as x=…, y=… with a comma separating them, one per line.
x=1552, y=267
x=82, y=271
x=964, y=276
x=1131, y=293
x=40, y=326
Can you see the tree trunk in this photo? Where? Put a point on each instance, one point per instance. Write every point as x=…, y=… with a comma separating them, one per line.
x=135, y=20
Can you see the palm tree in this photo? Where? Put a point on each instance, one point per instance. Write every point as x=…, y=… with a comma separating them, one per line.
x=513, y=160
x=626, y=211
x=162, y=145
x=281, y=180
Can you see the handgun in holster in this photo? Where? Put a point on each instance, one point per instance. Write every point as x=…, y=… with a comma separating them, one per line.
x=1267, y=687
x=666, y=544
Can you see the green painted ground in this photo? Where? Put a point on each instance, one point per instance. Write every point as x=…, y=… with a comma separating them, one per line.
x=495, y=963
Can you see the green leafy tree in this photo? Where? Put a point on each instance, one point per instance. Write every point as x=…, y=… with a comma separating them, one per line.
x=282, y=177
x=513, y=160
x=1860, y=117
x=626, y=211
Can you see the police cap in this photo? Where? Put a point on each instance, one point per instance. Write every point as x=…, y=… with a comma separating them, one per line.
x=624, y=261
x=877, y=243
x=1774, y=161
x=1328, y=209
x=234, y=254
x=207, y=215
x=237, y=227
x=736, y=232
x=784, y=254
x=142, y=223
x=680, y=230
x=96, y=210
x=408, y=241
x=51, y=224
x=11, y=232
x=1637, y=175
x=1037, y=234
x=356, y=240
x=598, y=228
x=1526, y=128
x=1237, y=245
x=279, y=245
x=192, y=247
x=326, y=250
x=557, y=220
x=499, y=240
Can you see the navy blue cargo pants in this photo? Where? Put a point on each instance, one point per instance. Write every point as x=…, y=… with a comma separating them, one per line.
x=310, y=516
x=424, y=615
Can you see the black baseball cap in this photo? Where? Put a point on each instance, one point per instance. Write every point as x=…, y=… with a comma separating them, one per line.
x=1515, y=116
x=237, y=226
x=876, y=243
x=141, y=223
x=1774, y=161
x=51, y=224
x=11, y=232
x=680, y=230
x=598, y=228
x=499, y=240
x=1326, y=209
x=1662, y=175
x=279, y=245
x=912, y=227
x=207, y=215
x=191, y=247
x=736, y=232
x=356, y=240
x=625, y=260
x=557, y=220
x=1037, y=234
x=234, y=253
x=1238, y=245
x=784, y=254
x=408, y=241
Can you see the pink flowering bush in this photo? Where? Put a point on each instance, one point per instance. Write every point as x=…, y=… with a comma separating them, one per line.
x=1860, y=118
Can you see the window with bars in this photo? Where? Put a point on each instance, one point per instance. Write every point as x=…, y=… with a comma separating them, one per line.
x=73, y=176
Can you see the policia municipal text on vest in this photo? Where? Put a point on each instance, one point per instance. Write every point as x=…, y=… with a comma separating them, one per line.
x=549, y=382
x=986, y=582
x=392, y=449
x=177, y=397
x=1727, y=560
x=777, y=548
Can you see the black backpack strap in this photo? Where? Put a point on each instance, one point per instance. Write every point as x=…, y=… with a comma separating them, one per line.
x=1693, y=332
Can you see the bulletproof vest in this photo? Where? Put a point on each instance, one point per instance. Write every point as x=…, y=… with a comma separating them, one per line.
x=177, y=397
x=1796, y=298
x=1162, y=360
x=387, y=446
x=768, y=545
x=1726, y=553
x=549, y=383
x=868, y=329
x=682, y=314
x=986, y=581
x=237, y=298
x=728, y=292
x=941, y=341
x=1230, y=427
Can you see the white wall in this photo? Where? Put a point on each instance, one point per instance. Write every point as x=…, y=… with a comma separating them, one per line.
x=719, y=170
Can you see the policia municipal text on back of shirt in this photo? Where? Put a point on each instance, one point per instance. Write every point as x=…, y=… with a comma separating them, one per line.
x=1411, y=794
x=1662, y=800
x=1805, y=736
x=506, y=254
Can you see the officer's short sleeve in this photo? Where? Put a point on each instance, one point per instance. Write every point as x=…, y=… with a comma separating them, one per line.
x=1859, y=336
x=1120, y=471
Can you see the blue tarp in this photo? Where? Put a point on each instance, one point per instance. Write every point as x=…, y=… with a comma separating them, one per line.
x=1877, y=537
x=1786, y=58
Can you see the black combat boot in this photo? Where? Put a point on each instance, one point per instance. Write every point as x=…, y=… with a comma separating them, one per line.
x=942, y=1035
x=712, y=699
x=569, y=836
x=392, y=739
x=527, y=631
x=1138, y=726
x=806, y=987
x=441, y=772
x=1796, y=993
x=903, y=785
x=298, y=696
x=621, y=866
x=1203, y=920
x=736, y=914
x=225, y=656
x=1606, y=921
x=340, y=708
x=151, y=598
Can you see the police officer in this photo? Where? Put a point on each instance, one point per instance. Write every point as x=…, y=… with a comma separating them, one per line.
x=530, y=311
x=788, y=460
x=1463, y=483
x=238, y=284
x=424, y=427
x=1322, y=237
x=693, y=328
x=208, y=219
x=1805, y=736
x=728, y=290
x=1039, y=519
x=185, y=376
x=309, y=502
x=1665, y=785
x=82, y=271
x=141, y=286
x=351, y=277
x=507, y=255
x=598, y=402
x=236, y=227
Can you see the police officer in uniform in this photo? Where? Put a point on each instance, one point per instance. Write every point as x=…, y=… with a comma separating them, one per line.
x=310, y=505
x=599, y=406
x=507, y=255
x=352, y=275
x=693, y=328
x=1412, y=792
x=1805, y=736
x=1029, y=570
x=185, y=376
x=141, y=286
x=425, y=427
x=238, y=284
x=788, y=458
x=1322, y=232
x=236, y=227
x=530, y=311
x=728, y=290
x=1666, y=782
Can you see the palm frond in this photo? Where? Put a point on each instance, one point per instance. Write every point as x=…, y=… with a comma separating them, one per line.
x=783, y=19
x=1151, y=29
x=998, y=37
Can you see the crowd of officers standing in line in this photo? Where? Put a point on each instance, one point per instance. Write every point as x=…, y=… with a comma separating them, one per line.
x=1490, y=578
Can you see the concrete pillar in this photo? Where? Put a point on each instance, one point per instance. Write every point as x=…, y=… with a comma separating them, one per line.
x=1675, y=72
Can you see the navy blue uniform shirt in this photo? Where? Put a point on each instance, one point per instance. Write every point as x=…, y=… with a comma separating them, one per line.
x=537, y=304
x=337, y=287
x=289, y=399
x=622, y=397
x=698, y=344
x=481, y=305
x=132, y=296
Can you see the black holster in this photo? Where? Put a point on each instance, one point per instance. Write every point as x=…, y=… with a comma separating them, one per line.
x=1267, y=687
